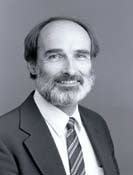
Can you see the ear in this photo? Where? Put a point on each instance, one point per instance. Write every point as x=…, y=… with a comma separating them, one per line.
x=32, y=68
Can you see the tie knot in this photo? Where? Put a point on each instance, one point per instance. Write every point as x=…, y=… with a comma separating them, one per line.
x=70, y=124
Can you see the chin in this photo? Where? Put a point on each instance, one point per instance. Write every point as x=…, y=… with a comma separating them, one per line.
x=65, y=96
x=59, y=97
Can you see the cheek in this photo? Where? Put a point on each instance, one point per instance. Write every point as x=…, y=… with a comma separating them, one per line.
x=85, y=68
x=51, y=69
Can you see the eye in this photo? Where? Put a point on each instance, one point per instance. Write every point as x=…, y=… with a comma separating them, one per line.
x=82, y=56
x=54, y=57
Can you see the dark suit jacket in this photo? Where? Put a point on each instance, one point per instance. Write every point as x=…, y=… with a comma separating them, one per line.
x=27, y=147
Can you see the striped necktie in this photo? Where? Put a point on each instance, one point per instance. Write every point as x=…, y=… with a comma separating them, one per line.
x=75, y=155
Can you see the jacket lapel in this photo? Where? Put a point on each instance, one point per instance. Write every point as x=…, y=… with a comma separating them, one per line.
x=99, y=142
x=39, y=142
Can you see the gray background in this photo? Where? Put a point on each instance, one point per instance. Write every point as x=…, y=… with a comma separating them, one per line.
x=112, y=95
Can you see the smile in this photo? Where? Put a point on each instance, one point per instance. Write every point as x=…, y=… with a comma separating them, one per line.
x=68, y=83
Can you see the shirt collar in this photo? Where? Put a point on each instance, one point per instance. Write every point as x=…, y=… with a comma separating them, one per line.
x=56, y=118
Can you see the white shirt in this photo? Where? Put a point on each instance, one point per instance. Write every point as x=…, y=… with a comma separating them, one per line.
x=56, y=121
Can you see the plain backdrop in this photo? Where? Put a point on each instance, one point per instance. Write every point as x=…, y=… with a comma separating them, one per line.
x=112, y=22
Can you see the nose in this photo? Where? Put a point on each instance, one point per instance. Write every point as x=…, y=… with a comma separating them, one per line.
x=70, y=67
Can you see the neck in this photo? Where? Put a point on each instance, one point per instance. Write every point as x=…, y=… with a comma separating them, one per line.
x=68, y=109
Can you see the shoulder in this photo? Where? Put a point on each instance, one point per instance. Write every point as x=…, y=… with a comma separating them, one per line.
x=9, y=122
x=93, y=118
x=90, y=114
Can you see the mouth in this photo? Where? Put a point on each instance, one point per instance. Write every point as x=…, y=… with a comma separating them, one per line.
x=68, y=83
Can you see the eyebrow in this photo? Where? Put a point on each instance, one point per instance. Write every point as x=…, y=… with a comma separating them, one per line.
x=53, y=51
x=82, y=51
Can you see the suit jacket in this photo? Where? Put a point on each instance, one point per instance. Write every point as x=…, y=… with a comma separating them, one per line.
x=27, y=147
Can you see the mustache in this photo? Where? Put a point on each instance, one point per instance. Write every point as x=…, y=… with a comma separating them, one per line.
x=67, y=77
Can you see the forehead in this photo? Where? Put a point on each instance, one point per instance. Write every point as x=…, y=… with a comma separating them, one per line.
x=59, y=32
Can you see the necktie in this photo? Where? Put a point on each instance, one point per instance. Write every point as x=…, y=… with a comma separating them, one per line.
x=75, y=155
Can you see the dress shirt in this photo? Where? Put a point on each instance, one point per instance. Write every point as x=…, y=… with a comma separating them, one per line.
x=56, y=121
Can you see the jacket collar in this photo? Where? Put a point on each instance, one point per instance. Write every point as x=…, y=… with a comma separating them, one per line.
x=39, y=141
x=98, y=136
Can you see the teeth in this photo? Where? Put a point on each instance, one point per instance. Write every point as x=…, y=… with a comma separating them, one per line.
x=68, y=82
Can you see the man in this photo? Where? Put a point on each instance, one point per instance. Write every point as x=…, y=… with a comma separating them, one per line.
x=49, y=133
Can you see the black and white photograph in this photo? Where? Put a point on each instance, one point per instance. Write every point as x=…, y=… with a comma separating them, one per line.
x=66, y=81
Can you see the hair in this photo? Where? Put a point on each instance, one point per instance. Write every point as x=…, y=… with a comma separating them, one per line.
x=31, y=40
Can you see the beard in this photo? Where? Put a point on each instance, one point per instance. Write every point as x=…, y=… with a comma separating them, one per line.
x=60, y=95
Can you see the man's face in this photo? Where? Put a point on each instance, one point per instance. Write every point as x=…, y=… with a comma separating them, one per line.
x=64, y=68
